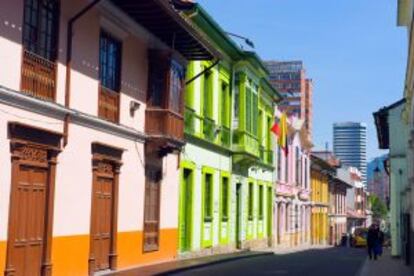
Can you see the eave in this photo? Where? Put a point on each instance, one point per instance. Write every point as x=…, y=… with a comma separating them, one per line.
x=203, y=21
x=404, y=10
x=160, y=18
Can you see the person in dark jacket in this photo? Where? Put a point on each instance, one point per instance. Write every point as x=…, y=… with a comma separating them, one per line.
x=380, y=242
x=372, y=241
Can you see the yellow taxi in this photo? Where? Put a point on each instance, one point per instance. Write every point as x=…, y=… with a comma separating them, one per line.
x=360, y=237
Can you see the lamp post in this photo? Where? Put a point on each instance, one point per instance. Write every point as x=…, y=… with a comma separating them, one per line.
x=245, y=39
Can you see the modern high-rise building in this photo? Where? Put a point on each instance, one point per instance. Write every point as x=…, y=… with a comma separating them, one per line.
x=289, y=78
x=350, y=140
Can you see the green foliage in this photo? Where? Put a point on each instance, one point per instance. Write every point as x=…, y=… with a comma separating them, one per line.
x=378, y=207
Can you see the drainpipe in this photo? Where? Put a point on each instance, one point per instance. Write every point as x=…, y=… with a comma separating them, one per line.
x=69, y=34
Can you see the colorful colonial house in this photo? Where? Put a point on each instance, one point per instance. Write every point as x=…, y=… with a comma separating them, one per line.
x=393, y=134
x=227, y=164
x=292, y=203
x=321, y=172
x=338, y=185
x=356, y=198
x=90, y=128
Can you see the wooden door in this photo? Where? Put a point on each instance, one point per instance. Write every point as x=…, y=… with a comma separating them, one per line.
x=269, y=215
x=238, y=215
x=102, y=217
x=186, y=210
x=27, y=221
x=152, y=207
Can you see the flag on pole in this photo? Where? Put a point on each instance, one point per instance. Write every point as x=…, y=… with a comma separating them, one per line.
x=276, y=127
x=283, y=139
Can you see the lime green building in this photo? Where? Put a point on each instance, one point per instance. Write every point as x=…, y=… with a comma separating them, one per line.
x=227, y=165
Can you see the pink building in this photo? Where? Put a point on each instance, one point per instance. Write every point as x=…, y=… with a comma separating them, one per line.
x=292, y=206
x=90, y=129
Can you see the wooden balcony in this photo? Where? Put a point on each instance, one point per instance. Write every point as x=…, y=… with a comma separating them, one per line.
x=38, y=76
x=164, y=123
x=108, y=104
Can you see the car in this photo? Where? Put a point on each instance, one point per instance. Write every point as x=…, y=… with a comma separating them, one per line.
x=359, y=238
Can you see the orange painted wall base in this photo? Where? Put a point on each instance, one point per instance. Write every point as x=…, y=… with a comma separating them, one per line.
x=70, y=254
x=3, y=246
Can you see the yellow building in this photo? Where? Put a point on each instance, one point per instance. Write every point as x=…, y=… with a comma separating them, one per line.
x=321, y=171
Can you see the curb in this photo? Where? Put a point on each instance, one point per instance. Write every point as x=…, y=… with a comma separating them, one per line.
x=219, y=261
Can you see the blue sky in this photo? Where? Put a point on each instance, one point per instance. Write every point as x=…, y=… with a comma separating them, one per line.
x=352, y=49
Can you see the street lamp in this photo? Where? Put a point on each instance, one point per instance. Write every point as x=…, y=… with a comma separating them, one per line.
x=245, y=39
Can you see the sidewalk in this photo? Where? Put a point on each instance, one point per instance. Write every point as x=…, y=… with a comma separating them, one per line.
x=385, y=266
x=180, y=265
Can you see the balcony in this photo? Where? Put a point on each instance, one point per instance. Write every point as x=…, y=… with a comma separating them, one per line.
x=266, y=156
x=225, y=137
x=164, y=123
x=246, y=142
x=246, y=147
x=108, y=105
x=209, y=129
x=189, y=120
x=38, y=76
x=192, y=122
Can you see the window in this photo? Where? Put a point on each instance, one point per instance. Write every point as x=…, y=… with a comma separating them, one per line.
x=153, y=174
x=251, y=201
x=248, y=110
x=306, y=173
x=208, y=192
x=279, y=163
x=207, y=95
x=297, y=166
x=255, y=114
x=252, y=108
x=224, y=198
x=225, y=104
x=110, y=62
x=236, y=102
x=176, y=86
x=261, y=202
x=287, y=164
x=268, y=133
x=40, y=27
x=261, y=127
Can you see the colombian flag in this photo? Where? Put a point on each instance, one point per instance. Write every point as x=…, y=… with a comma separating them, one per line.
x=279, y=128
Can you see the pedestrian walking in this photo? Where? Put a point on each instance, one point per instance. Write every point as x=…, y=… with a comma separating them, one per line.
x=372, y=241
x=344, y=240
x=380, y=242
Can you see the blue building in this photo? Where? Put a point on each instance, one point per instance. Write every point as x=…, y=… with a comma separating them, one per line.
x=350, y=142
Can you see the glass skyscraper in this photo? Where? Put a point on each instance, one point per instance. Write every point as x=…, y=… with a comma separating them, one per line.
x=350, y=145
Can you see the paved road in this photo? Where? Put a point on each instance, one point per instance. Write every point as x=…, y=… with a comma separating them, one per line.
x=329, y=262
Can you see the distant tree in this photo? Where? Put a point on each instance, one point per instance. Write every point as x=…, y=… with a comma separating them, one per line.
x=378, y=208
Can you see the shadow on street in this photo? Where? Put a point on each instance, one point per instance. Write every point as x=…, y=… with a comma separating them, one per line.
x=330, y=262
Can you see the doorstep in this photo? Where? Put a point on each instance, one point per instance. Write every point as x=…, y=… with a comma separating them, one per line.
x=185, y=264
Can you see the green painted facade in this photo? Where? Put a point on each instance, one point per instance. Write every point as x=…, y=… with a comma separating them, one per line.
x=227, y=166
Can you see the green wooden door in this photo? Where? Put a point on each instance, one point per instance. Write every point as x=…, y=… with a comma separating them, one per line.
x=186, y=210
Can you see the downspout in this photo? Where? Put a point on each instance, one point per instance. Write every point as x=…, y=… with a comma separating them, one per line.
x=69, y=39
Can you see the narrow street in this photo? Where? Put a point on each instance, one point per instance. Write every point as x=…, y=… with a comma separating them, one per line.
x=332, y=261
